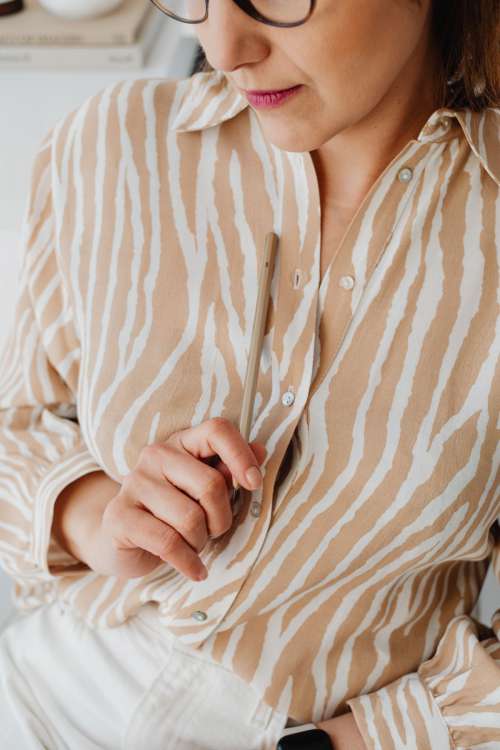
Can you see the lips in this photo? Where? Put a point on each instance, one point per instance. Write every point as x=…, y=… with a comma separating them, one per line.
x=272, y=99
x=258, y=92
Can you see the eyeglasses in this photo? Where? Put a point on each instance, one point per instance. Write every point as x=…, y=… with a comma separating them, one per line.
x=271, y=12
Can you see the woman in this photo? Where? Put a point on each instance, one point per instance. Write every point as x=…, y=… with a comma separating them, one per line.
x=340, y=594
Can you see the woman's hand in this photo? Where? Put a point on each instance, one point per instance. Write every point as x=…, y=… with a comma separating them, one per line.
x=343, y=732
x=172, y=501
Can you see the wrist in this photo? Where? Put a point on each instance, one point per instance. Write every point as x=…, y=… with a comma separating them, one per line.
x=343, y=732
x=78, y=511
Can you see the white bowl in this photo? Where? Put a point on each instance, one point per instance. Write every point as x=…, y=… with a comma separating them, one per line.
x=78, y=9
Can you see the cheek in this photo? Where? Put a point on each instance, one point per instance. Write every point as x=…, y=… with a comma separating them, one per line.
x=362, y=46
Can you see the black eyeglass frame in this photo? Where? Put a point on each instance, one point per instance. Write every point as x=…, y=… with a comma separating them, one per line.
x=247, y=7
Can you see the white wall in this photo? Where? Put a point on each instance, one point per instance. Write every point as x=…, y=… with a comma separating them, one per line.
x=8, y=290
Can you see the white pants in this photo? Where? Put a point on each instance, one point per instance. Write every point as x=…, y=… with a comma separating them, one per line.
x=66, y=686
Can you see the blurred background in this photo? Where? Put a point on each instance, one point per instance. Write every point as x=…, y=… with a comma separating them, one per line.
x=53, y=55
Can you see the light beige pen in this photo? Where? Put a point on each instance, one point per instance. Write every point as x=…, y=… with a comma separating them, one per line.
x=252, y=371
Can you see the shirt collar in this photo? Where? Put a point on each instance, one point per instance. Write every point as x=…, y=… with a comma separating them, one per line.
x=209, y=98
x=481, y=129
x=205, y=99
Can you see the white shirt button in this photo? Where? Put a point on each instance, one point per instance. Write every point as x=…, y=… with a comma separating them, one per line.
x=405, y=174
x=255, y=509
x=346, y=282
x=199, y=615
x=288, y=398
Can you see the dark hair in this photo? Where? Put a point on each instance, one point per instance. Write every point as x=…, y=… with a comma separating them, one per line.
x=467, y=35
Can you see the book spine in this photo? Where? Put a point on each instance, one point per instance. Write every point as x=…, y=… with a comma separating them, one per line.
x=130, y=57
x=96, y=36
x=22, y=58
x=70, y=37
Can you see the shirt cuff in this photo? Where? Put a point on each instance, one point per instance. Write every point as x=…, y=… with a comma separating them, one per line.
x=45, y=551
x=402, y=714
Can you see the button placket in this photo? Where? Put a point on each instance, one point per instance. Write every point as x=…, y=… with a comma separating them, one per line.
x=397, y=182
x=295, y=263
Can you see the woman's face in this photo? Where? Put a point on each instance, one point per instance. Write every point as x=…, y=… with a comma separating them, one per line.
x=349, y=56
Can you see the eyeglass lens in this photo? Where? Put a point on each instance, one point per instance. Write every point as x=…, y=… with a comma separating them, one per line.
x=281, y=11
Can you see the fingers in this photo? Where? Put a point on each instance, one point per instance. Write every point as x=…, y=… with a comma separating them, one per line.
x=171, y=506
x=136, y=527
x=199, y=481
x=179, y=494
x=260, y=453
x=218, y=436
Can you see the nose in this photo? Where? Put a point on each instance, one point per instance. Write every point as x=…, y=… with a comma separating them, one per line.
x=230, y=37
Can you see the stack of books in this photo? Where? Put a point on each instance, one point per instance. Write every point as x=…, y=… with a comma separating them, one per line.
x=34, y=38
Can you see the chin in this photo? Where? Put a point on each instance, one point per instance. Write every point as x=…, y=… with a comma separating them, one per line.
x=291, y=141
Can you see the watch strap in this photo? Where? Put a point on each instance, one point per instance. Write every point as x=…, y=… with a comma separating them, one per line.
x=304, y=739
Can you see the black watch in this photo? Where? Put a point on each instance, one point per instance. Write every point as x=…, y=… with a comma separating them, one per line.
x=309, y=739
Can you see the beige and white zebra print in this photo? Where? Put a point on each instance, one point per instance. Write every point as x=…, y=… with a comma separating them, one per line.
x=353, y=587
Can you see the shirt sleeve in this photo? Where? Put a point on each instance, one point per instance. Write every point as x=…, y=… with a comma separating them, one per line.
x=452, y=701
x=42, y=449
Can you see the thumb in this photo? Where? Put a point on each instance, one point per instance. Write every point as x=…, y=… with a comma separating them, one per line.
x=259, y=450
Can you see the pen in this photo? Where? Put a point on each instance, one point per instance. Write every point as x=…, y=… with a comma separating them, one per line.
x=259, y=324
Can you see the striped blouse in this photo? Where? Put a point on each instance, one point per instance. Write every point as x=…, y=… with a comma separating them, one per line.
x=348, y=578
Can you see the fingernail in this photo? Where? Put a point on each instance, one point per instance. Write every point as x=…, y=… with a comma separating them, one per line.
x=254, y=477
x=202, y=574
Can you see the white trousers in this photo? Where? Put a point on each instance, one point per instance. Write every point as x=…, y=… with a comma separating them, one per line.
x=67, y=686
